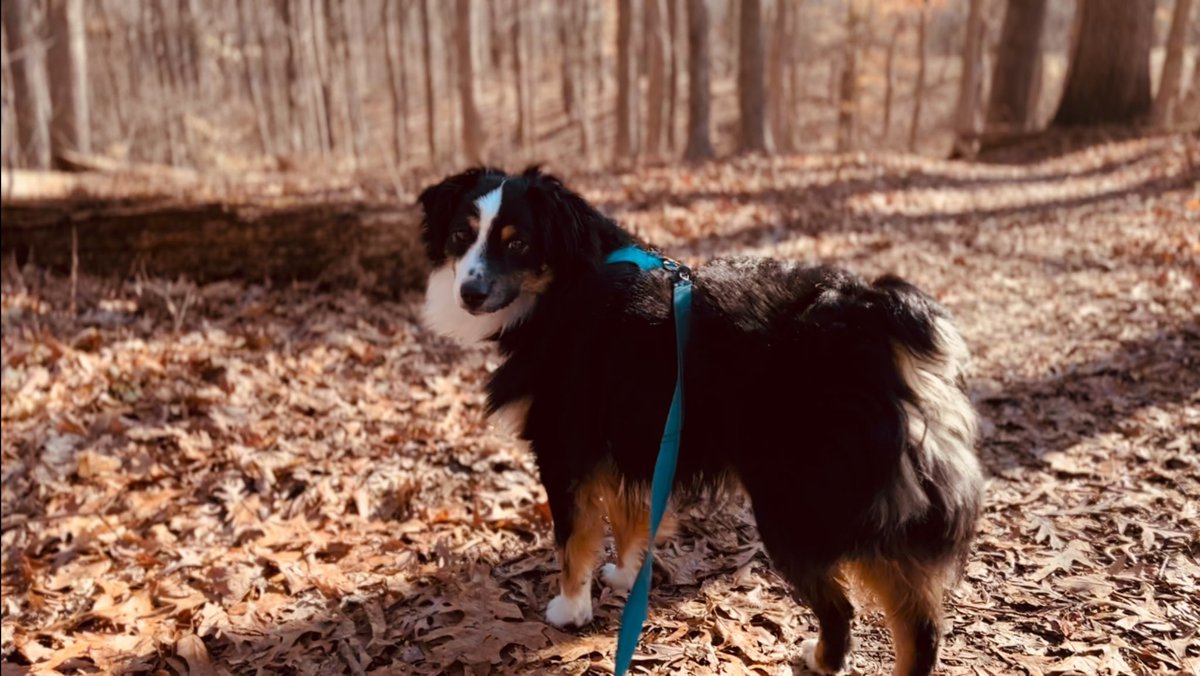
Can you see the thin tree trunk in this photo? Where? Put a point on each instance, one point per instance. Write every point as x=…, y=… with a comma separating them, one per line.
x=70, y=127
x=777, y=77
x=888, y=77
x=656, y=71
x=253, y=86
x=520, y=66
x=1170, y=83
x=847, y=110
x=673, y=22
x=699, y=139
x=626, y=81
x=1108, y=79
x=754, y=135
x=471, y=122
x=31, y=88
x=324, y=69
x=430, y=101
x=919, y=86
x=966, y=114
x=393, y=36
x=1016, y=76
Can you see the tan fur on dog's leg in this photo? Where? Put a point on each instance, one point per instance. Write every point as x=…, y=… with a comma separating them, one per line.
x=573, y=605
x=911, y=596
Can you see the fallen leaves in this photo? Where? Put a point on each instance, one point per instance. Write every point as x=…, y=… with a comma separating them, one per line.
x=300, y=480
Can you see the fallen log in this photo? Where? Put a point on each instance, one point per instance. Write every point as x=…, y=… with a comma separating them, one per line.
x=201, y=229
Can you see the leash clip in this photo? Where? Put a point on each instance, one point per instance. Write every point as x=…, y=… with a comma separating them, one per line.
x=679, y=272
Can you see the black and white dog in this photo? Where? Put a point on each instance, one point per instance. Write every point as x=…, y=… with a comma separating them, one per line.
x=837, y=405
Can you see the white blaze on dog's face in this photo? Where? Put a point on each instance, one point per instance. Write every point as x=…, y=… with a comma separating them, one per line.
x=486, y=275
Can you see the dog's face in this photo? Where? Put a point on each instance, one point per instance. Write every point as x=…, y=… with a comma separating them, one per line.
x=492, y=240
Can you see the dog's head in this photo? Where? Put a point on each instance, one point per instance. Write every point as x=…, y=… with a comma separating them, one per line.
x=497, y=242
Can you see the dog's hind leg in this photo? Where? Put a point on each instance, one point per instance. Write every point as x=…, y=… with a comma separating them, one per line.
x=911, y=596
x=825, y=593
x=579, y=532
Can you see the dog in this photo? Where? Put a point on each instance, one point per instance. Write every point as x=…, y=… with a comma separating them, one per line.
x=837, y=405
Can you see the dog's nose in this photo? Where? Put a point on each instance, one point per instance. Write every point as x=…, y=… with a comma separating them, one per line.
x=474, y=291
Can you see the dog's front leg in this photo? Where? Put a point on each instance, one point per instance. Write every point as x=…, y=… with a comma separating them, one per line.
x=578, y=532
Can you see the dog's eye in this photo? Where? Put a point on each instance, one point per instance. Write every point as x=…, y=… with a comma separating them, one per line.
x=517, y=247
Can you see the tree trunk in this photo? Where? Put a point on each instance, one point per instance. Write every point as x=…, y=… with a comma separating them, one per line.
x=847, y=112
x=430, y=101
x=966, y=113
x=1108, y=79
x=471, y=123
x=31, y=91
x=751, y=82
x=889, y=82
x=919, y=86
x=520, y=73
x=253, y=86
x=1016, y=77
x=393, y=17
x=656, y=70
x=1172, y=68
x=699, y=136
x=69, y=127
x=627, y=81
x=351, y=35
x=777, y=77
x=673, y=10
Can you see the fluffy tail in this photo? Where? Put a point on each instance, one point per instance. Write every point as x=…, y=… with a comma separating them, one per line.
x=937, y=496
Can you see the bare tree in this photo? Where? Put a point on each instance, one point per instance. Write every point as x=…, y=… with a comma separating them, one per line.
x=674, y=8
x=966, y=113
x=520, y=74
x=1108, y=79
x=777, y=63
x=471, y=122
x=752, y=94
x=251, y=75
x=919, y=84
x=699, y=139
x=888, y=76
x=393, y=19
x=430, y=101
x=627, y=139
x=1016, y=76
x=1170, y=83
x=657, y=41
x=847, y=111
x=69, y=129
x=31, y=91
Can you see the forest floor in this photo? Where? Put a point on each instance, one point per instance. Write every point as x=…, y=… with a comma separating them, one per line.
x=235, y=478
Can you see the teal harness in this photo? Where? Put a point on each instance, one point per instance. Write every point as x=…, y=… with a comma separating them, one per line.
x=633, y=617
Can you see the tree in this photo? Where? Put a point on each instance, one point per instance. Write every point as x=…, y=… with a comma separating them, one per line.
x=778, y=60
x=966, y=113
x=626, y=81
x=848, y=83
x=1016, y=76
x=471, y=122
x=889, y=81
x=430, y=100
x=31, y=92
x=1108, y=79
x=69, y=126
x=657, y=42
x=699, y=140
x=919, y=84
x=1172, y=69
x=751, y=82
x=394, y=22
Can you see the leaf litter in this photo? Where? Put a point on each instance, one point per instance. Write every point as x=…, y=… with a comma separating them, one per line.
x=299, y=479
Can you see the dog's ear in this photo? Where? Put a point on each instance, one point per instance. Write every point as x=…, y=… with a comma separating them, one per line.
x=439, y=201
x=572, y=229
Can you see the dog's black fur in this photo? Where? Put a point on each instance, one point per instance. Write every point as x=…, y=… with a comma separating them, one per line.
x=836, y=403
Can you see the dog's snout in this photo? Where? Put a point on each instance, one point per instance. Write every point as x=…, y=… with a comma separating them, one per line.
x=474, y=291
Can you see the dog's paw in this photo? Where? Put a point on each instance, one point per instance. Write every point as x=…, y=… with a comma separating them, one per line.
x=565, y=611
x=618, y=578
x=808, y=652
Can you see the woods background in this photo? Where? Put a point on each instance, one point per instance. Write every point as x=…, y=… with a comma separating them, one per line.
x=400, y=86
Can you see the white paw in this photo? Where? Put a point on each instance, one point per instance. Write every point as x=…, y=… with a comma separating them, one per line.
x=808, y=651
x=619, y=579
x=565, y=611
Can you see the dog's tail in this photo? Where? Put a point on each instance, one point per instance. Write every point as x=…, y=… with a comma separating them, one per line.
x=936, y=499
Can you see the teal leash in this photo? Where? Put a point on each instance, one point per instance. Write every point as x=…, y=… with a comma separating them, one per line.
x=633, y=617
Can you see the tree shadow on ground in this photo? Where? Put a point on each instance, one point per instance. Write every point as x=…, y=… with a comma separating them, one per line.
x=1033, y=417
